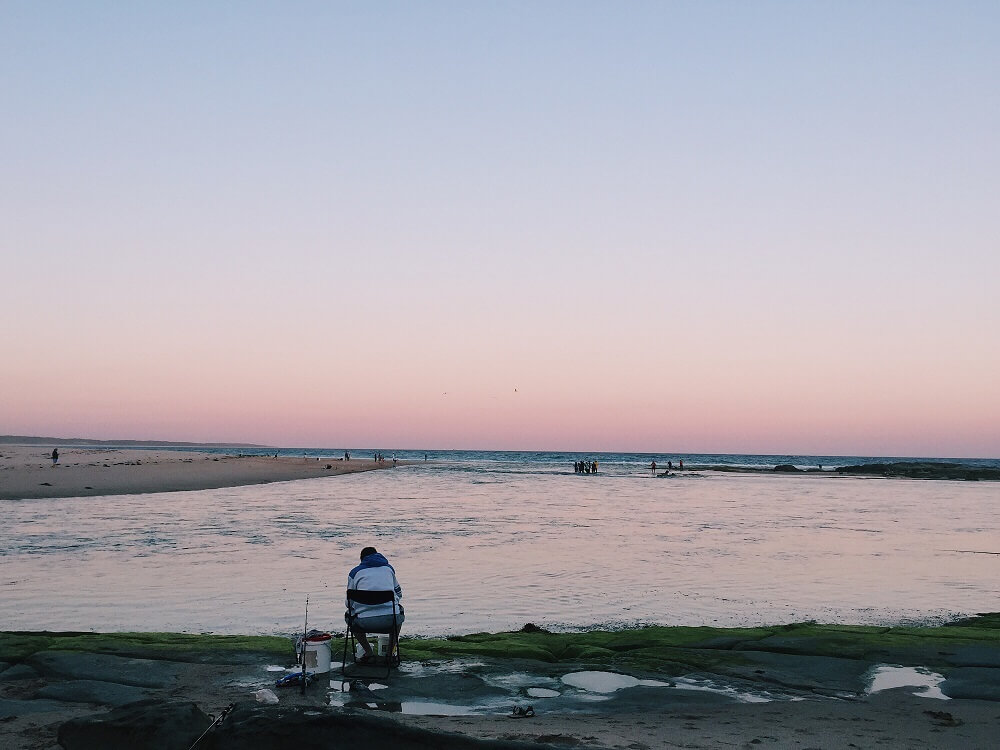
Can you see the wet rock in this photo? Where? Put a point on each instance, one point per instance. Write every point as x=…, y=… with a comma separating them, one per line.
x=969, y=656
x=155, y=724
x=434, y=687
x=252, y=727
x=10, y=707
x=720, y=642
x=923, y=470
x=820, y=674
x=93, y=691
x=18, y=672
x=641, y=699
x=530, y=627
x=68, y=665
x=787, y=468
x=979, y=683
x=145, y=724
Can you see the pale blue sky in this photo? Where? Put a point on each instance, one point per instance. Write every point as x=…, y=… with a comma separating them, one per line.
x=800, y=191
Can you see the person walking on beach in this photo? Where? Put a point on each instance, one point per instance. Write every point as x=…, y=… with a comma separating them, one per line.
x=55, y=456
x=374, y=574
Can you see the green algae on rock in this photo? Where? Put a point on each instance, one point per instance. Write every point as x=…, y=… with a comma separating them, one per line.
x=185, y=647
x=659, y=649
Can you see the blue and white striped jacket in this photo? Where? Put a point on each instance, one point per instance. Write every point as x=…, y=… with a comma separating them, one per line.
x=374, y=574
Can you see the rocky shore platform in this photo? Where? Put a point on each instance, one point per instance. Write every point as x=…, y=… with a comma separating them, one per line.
x=798, y=685
x=898, y=469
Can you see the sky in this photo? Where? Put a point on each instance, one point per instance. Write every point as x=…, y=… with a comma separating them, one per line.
x=766, y=227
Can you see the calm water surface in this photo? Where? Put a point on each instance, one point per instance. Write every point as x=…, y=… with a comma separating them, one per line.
x=492, y=547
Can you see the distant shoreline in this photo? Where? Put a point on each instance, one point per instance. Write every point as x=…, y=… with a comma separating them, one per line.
x=33, y=440
x=92, y=468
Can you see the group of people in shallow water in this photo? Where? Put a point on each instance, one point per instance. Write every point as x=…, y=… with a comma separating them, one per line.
x=585, y=467
x=670, y=466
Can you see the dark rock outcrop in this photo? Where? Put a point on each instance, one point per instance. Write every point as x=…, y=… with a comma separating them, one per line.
x=788, y=468
x=13, y=707
x=18, y=672
x=70, y=665
x=93, y=691
x=977, y=683
x=151, y=724
x=252, y=727
x=923, y=470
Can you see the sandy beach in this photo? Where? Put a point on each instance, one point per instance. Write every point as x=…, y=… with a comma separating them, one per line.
x=28, y=472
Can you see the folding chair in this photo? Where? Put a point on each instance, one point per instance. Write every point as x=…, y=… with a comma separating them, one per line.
x=356, y=596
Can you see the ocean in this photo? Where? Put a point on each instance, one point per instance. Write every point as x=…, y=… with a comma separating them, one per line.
x=488, y=541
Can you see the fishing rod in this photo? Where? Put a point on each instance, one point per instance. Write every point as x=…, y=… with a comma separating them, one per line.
x=305, y=630
x=215, y=723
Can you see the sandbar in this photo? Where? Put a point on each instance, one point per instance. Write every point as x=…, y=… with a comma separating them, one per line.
x=27, y=472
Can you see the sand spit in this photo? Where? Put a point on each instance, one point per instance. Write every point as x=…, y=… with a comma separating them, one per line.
x=27, y=472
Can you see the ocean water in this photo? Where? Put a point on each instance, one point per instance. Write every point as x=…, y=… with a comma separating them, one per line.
x=490, y=541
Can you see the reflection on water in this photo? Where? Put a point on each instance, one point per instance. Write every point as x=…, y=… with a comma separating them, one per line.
x=600, y=682
x=885, y=677
x=492, y=549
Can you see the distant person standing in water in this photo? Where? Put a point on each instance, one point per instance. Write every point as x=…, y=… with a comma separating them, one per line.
x=680, y=464
x=55, y=456
x=652, y=466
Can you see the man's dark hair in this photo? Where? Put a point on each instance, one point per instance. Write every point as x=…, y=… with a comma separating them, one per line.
x=368, y=551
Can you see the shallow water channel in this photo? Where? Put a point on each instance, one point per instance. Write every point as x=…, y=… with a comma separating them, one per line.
x=490, y=549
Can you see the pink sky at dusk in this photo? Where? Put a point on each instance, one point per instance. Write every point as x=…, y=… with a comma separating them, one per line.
x=769, y=230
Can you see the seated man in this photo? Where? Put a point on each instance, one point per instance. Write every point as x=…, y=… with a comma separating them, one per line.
x=374, y=574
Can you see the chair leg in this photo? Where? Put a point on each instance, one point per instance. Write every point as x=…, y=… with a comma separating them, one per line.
x=348, y=640
x=393, y=643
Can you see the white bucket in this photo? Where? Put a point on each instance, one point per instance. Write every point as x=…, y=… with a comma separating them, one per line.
x=382, y=647
x=318, y=656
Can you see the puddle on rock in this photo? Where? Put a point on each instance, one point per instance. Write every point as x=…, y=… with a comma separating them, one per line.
x=604, y=683
x=599, y=682
x=886, y=677
x=537, y=692
x=687, y=683
x=422, y=708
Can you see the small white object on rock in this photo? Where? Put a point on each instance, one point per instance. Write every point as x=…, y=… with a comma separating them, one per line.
x=266, y=696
